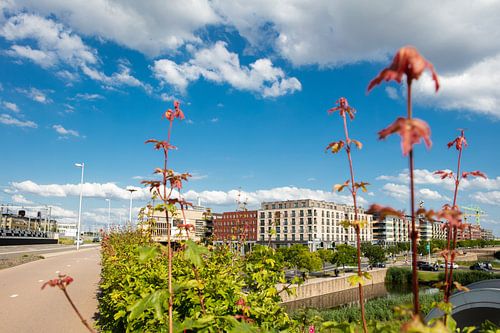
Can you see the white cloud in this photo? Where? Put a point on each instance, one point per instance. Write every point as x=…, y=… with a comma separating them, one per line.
x=396, y=191
x=94, y=190
x=11, y=121
x=58, y=46
x=36, y=95
x=65, y=132
x=20, y=199
x=426, y=177
x=120, y=78
x=429, y=194
x=55, y=43
x=153, y=29
x=219, y=65
x=89, y=97
x=392, y=92
x=474, y=89
x=224, y=198
x=490, y=198
x=196, y=176
x=11, y=106
x=214, y=120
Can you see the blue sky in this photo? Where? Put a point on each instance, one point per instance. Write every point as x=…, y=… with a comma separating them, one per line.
x=88, y=81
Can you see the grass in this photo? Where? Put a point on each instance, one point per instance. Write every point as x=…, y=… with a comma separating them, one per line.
x=19, y=260
x=426, y=276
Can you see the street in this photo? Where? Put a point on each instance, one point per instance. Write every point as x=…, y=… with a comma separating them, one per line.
x=9, y=251
x=24, y=307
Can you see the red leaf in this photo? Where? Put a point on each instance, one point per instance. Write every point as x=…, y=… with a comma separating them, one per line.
x=476, y=173
x=335, y=147
x=384, y=211
x=444, y=174
x=412, y=131
x=343, y=108
x=459, y=142
x=406, y=61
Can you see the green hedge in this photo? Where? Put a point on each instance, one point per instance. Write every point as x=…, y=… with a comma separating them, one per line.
x=398, y=276
x=468, y=277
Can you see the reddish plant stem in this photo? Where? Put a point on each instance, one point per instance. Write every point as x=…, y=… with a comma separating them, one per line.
x=449, y=277
x=357, y=227
x=414, y=232
x=84, y=322
x=169, y=240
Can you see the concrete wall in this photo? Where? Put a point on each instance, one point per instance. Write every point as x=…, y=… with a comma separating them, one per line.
x=26, y=241
x=331, y=292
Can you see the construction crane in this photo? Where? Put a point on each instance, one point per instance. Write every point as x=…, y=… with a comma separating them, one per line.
x=241, y=206
x=473, y=211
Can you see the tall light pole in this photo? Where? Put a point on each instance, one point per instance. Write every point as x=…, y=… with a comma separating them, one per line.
x=109, y=213
x=79, y=165
x=131, y=190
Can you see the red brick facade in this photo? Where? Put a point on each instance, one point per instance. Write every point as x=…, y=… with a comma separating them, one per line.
x=236, y=226
x=472, y=232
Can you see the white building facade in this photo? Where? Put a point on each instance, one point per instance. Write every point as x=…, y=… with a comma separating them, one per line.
x=315, y=223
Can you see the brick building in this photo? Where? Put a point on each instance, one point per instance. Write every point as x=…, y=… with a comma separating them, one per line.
x=237, y=226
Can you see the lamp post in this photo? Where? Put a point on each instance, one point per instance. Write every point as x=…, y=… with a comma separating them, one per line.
x=79, y=165
x=131, y=190
x=109, y=213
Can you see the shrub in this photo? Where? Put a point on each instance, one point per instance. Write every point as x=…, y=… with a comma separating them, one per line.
x=468, y=277
x=215, y=290
x=398, y=275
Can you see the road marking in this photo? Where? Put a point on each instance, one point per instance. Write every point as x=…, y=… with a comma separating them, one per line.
x=57, y=272
x=40, y=280
x=68, y=265
x=13, y=296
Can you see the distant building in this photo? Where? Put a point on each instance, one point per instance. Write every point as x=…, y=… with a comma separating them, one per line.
x=317, y=224
x=487, y=234
x=199, y=219
x=237, y=226
x=472, y=232
x=391, y=230
x=439, y=231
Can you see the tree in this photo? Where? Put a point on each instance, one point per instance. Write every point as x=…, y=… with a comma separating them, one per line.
x=345, y=255
x=299, y=257
x=374, y=253
x=325, y=255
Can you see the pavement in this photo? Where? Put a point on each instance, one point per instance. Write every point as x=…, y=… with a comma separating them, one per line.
x=24, y=307
x=10, y=251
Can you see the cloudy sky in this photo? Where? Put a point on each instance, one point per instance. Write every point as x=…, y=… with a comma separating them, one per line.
x=88, y=80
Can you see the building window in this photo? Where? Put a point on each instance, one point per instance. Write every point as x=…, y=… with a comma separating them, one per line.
x=301, y=213
x=301, y=237
x=293, y=237
x=301, y=220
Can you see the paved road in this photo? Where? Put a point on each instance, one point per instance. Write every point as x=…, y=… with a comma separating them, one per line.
x=26, y=308
x=9, y=251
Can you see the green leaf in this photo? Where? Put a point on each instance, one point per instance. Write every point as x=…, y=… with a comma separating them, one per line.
x=355, y=279
x=119, y=314
x=367, y=275
x=154, y=300
x=193, y=253
x=147, y=253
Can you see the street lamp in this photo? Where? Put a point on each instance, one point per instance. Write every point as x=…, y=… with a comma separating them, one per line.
x=131, y=190
x=109, y=213
x=79, y=165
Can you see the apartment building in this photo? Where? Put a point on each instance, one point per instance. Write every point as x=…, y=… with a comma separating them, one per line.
x=317, y=224
x=236, y=226
x=391, y=230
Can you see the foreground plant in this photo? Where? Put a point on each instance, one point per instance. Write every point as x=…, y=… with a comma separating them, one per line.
x=453, y=225
x=62, y=282
x=163, y=189
x=411, y=64
x=344, y=109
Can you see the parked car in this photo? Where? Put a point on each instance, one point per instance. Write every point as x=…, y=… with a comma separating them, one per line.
x=426, y=266
x=455, y=266
x=379, y=265
x=481, y=266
